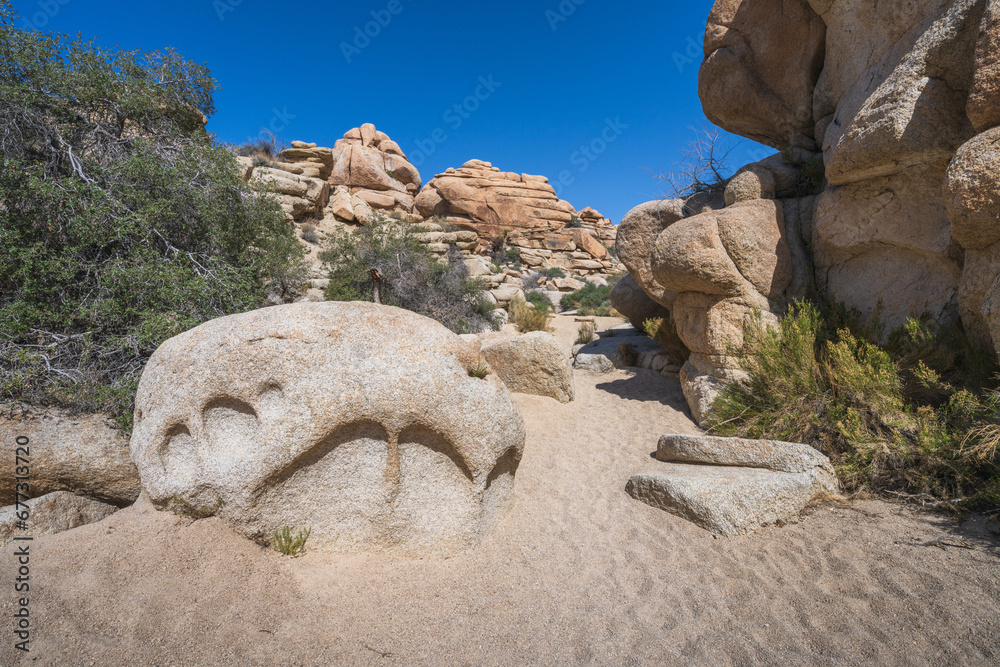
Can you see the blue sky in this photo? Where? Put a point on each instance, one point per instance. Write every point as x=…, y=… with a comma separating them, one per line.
x=594, y=94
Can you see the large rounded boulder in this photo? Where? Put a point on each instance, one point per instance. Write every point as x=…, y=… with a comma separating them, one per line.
x=358, y=421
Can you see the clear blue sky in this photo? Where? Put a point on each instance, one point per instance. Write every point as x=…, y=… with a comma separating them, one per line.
x=619, y=77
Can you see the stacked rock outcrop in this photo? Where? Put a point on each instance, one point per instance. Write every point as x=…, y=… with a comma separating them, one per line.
x=526, y=211
x=896, y=103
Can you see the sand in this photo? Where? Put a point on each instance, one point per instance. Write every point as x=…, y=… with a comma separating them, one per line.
x=578, y=573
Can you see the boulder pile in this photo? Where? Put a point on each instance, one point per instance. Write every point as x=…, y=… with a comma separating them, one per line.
x=885, y=189
x=462, y=211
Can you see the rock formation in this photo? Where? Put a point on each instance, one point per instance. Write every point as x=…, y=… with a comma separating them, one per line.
x=533, y=363
x=81, y=454
x=52, y=513
x=357, y=420
x=525, y=210
x=731, y=486
x=897, y=104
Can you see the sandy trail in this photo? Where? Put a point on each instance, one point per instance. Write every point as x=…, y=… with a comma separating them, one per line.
x=578, y=573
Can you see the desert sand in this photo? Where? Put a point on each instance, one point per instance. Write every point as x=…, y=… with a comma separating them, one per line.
x=578, y=573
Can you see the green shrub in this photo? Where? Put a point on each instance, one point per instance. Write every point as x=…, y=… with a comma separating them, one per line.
x=288, y=543
x=586, y=334
x=589, y=300
x=905, y=416
x=309, y=234
x=664, y=331
x=552, y=272
x=480, y=371
x=122, y=223
x=528, y=318
x=411, y=277
x=539, y=301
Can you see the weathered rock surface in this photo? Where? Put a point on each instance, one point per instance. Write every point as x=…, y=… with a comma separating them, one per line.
x=757, y=80
x=359, y=421
x=532, y=363
x=52, y=513
x=634, y=304
x=731, y=486
x=80, y=454
x=769, y=454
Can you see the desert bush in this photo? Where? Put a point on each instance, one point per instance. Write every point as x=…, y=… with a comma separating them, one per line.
x=539, y=301
x=629, y=354
x=553, y=272
x=411, y=277
x=309, y=234
x=480, y=371
x=664, y=331
x=528, y=318
x=589, y=300
x=122, y=223
x=288, y=543
x=905, y=416
x=586, y=334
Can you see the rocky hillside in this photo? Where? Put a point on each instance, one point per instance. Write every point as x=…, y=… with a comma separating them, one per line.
x=469, y=210
x=885, y=190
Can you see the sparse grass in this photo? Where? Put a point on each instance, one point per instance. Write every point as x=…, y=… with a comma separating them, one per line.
x=480, y=371
x=664, y=331
x=914, y=415
x=589, y=300
x=527, y=318
x=309, y=234
x=290, y=544
x=586, y=334
x=629, y=354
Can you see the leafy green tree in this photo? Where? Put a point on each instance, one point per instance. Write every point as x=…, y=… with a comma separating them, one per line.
x=122, y=221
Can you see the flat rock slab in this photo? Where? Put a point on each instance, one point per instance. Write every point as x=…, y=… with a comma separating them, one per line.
x=768, y=454
x=728, y=500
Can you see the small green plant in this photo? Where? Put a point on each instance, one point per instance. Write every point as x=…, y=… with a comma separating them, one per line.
x=629, y=354
x=291, y=545
x=480, y=371
x=552, y=272
x=589, y=300
x=528, y=318
x=586, y=334
x=664, y=331
x=539, y=301
x=574, y=223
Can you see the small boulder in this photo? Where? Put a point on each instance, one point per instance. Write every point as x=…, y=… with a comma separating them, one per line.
x=634, y=304
x=81, y=454
x=52, y=513
x=533, y=363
